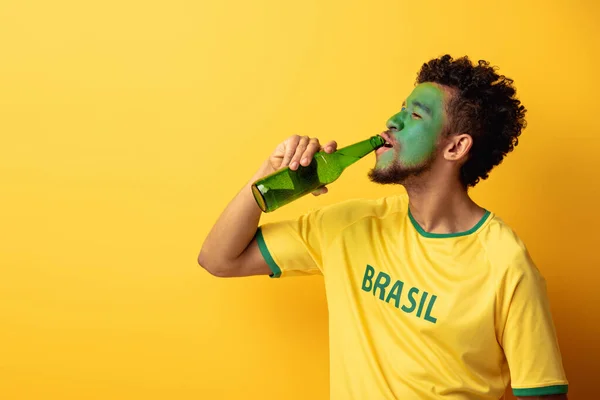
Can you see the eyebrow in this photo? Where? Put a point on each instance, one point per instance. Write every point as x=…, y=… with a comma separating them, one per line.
x=420, y=105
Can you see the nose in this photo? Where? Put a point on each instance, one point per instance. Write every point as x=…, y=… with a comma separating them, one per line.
x=395, y=123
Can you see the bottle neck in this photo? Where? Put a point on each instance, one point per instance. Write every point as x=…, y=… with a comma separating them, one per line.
x=362, y=148
x=376, y=141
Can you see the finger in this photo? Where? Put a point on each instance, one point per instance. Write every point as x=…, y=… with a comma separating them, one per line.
x=330, y=147
x=302, y=144
x=320, y=191
x=290, y=149
x=309, y=153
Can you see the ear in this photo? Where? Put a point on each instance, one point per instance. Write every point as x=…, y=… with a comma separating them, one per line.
x=457, y=147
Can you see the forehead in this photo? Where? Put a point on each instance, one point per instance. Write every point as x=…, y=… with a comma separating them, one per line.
x=428, y=92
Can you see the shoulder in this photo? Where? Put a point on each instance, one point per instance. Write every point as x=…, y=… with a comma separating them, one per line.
x=507, y=252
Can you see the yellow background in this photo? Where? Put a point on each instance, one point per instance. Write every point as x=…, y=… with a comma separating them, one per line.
x=127, y=126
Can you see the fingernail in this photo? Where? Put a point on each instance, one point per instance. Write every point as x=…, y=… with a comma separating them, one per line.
x=294, y=165
x=328, y=148
x=304, y=161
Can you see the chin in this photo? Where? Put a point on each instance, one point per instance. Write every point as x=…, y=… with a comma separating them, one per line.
x=389, y=175
x=396, y=174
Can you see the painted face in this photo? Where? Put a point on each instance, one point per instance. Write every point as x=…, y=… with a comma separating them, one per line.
x=414, y=133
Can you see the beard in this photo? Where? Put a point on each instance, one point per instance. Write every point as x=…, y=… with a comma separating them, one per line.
x=398, y=174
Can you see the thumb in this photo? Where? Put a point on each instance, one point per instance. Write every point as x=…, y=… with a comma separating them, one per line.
x=320, y=191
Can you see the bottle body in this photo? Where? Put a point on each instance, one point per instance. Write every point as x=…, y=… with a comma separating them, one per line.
x=285, y=185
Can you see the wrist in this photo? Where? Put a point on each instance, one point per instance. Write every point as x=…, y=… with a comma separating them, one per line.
x=264, y=170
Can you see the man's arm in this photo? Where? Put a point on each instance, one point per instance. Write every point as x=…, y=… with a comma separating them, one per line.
x=230, y=249
x=529, y=337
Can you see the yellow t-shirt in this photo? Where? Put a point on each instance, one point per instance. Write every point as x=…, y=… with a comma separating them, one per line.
x=414, y=315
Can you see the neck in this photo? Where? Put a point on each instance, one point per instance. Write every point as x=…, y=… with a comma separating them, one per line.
x=442, y=204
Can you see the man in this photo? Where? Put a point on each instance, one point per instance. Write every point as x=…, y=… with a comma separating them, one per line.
x=430, y=296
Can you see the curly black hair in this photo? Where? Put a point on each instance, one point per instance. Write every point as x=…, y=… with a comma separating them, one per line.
x=484, y=106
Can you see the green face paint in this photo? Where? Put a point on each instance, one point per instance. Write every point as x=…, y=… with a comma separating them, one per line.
x=415, y=131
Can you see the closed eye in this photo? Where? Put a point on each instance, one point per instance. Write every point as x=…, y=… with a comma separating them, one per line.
x=416, y=116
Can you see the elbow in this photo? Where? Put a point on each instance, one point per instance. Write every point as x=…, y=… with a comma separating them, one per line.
x=213, y=268
x=202, y=259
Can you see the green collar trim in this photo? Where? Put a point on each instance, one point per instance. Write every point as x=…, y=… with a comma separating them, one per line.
x=426, y=234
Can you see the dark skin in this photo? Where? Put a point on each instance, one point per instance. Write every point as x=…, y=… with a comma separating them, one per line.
x=424, y=160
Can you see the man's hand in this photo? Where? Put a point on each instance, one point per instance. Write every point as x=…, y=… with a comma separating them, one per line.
x=230, y=249
x=299, y=150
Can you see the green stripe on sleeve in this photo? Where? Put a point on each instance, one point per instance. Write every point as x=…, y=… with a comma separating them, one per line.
x=542, y=391
x=262, y=246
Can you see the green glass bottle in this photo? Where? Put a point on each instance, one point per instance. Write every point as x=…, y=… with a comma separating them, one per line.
x=284, y=186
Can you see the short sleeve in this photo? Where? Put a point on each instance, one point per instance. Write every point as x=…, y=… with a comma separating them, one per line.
x=299, y=246
x=292, y=247
x=529, y=337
